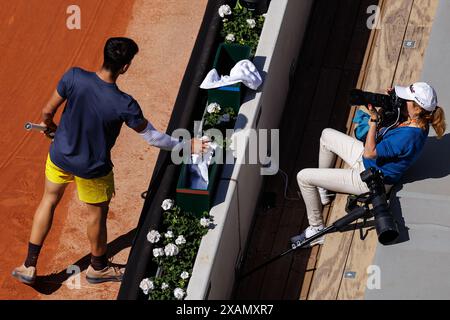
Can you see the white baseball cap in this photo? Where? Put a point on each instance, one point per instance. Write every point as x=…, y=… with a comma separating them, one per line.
x=420, y=92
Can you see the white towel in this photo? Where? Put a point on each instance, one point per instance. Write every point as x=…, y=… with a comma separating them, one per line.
x=244, y=71
x=199, y=176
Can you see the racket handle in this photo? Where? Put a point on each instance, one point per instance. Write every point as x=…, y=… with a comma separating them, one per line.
x=32, y=126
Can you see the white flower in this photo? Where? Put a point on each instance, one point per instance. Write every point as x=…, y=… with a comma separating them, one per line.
x=171, y=250
x=225, y=118
x=230, y=37
x=158, y=252
x=224, y=10
x=164, y=286
x=153, y=236
x=251, y=23
x=224, y=20
x=168, y=234
x=264, y=15
x=184, y=275
x=178, y=293
x=213, y=108
x=204, y=222
x=180, y=240
x=167, y=204
x=146, y=285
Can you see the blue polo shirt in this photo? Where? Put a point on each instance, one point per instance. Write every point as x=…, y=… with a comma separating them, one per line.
x=90, y=123
x=397, y=151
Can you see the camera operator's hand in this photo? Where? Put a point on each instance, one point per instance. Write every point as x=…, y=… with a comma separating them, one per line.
x=374, y=116
x=370, y=151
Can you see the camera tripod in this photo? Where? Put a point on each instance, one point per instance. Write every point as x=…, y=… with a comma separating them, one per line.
x=355, y=212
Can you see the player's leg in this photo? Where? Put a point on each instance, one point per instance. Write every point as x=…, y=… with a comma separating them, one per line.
x=56, y=181
x=97, y=193
x=43, y=216
x=42, y=223
x=97, y=232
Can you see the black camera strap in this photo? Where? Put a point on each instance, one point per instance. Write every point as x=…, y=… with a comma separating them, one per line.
x=380, y=135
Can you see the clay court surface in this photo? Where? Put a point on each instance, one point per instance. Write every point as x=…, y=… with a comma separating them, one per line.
x=37, y=48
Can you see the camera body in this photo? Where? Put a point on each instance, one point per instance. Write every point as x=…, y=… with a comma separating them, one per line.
x=374, y=180
x=390, y=104
x=385, y=224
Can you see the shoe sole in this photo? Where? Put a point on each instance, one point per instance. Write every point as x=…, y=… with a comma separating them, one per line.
x=101, y=280
x=319, y=241
x=23, y=279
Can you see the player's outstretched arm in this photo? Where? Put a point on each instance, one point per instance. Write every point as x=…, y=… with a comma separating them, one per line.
x=164, y=141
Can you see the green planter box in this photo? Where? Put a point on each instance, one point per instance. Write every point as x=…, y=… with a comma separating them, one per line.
x=196, y=201
x=227, y=56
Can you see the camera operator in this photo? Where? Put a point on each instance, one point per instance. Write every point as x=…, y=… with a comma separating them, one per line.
x=392, y=151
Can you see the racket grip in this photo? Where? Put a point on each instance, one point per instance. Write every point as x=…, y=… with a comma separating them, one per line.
x=32, y=126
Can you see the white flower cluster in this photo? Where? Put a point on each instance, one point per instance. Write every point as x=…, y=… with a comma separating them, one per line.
x=171, y=250
x=153, y=236
x=168, y=234
x=213, y=108
x=251, y=23
x=230, y=37
x=167, y=204
x=158, y=252
x=180, y=240
x=178, y=293
x=205, y=222
x=224, y=10
x=146, y=285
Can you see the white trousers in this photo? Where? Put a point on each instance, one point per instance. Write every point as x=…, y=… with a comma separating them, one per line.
x=332, y=143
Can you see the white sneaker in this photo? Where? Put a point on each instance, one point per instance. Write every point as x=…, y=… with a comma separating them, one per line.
x=325, y=196
x=25, y=274
x=308, y=233
x=109, y=273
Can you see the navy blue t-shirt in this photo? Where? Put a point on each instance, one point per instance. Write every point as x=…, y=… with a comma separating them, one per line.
x=90, y=123
x=397, y=151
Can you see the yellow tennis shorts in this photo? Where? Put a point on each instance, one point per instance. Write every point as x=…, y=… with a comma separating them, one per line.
x=96, y=190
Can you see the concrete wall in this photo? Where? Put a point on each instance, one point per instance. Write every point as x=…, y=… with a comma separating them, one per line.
x=238, y=191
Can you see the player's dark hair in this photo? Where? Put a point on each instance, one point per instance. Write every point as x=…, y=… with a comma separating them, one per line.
x=118, y=52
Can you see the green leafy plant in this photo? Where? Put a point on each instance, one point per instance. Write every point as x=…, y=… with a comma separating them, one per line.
x=184, y=231
x=218, y=117
x=242, y=26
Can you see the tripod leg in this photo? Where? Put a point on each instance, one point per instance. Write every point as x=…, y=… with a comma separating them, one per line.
x=355, y=214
